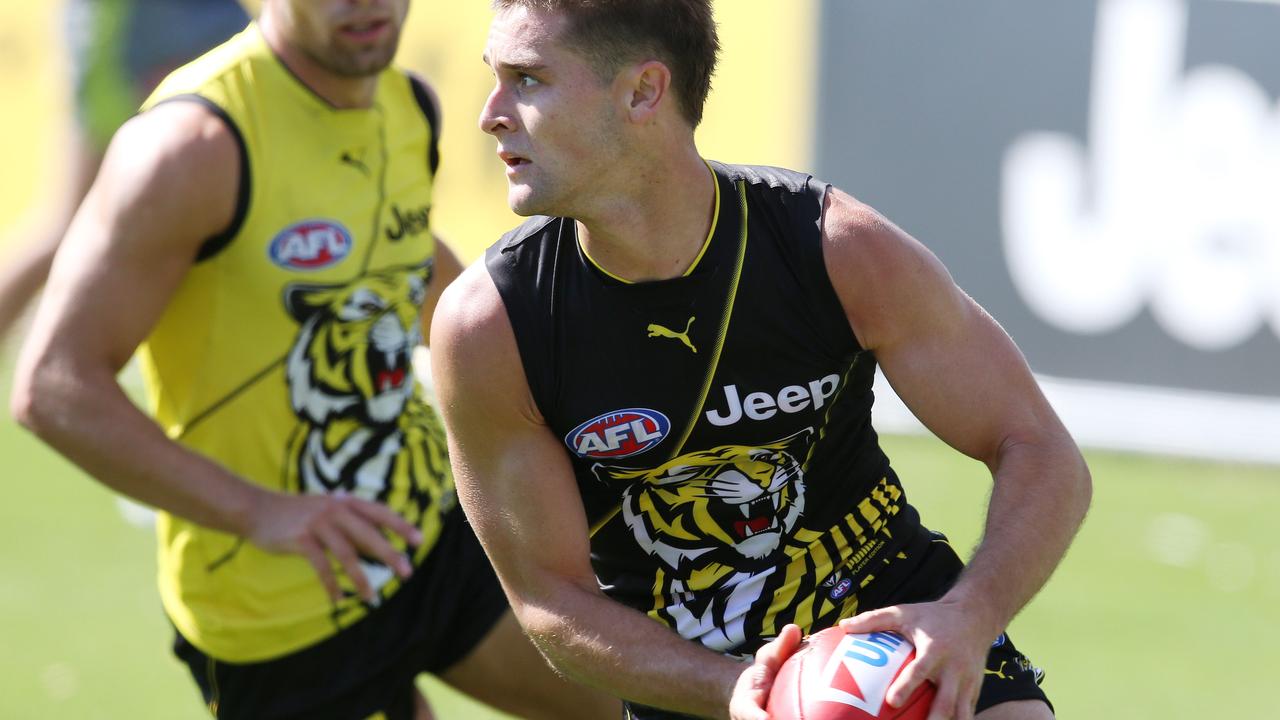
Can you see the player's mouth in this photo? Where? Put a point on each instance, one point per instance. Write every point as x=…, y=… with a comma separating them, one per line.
x=514, y=162
x=365, y=31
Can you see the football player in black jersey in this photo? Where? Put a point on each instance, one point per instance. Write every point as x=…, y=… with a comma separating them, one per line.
x=599, y=493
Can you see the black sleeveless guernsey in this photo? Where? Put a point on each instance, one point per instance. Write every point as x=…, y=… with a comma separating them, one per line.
x=719, y=423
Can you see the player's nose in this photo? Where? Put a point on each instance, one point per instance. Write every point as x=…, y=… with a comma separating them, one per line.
x=495, y=115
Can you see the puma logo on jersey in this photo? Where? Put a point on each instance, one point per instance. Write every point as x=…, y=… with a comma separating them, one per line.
x=762, y=405
x=355, y=159
x=999, y=672
x=656, y=330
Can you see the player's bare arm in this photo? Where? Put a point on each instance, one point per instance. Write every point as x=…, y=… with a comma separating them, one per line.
x=962, y=376
x=168, y=183
x=518, y=490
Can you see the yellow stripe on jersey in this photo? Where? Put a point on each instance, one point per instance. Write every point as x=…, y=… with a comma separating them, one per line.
x=723, y=331
x=721, y=334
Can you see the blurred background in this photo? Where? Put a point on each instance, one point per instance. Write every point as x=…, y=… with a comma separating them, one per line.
x=1101, y=176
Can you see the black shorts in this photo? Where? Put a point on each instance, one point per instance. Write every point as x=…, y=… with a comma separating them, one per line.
x=1009, y=674
x=432, y=622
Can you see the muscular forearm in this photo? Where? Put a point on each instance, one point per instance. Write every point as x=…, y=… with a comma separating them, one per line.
x=631, y=656
x=1040, y=496
x=86, y=417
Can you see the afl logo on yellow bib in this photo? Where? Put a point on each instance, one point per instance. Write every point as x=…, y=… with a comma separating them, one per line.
x=310, y=245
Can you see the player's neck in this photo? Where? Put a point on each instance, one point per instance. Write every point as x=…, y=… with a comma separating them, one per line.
x=340, y=91
x=657, y=228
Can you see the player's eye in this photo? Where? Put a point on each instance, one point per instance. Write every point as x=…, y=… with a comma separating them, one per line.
x=525, y=80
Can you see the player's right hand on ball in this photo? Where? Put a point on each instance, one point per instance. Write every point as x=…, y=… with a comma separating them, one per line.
x=338, y=526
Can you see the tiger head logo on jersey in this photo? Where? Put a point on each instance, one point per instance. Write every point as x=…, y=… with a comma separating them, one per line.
x=730, y=506
x=363, y=428
x=352, y=355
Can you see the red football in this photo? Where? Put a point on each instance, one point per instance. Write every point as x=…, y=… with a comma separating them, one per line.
x=839, y=676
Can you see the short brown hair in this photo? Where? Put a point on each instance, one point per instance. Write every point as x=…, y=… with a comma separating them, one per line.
x=609, y=33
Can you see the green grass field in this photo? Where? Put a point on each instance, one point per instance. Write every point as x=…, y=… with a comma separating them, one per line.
x=1167, y=606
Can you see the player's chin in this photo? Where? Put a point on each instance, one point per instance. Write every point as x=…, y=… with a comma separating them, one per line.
x=363, y=61
x=524, y=202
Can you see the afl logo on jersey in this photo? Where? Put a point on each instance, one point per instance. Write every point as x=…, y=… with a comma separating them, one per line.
x=841, y=589
x=310, y=245
x=618, y=434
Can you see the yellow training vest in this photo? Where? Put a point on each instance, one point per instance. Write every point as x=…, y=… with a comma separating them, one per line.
x=285, y=354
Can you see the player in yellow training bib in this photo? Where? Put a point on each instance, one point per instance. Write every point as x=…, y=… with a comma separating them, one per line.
x=261, y=234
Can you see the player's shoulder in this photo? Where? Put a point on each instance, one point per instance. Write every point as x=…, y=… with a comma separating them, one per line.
x=476, y=303
x=178, y=134
x=529, y=235
x=769, y=176
x=179, y=162
x=846, y=215
x=792, y=199
x=879, y=271
x=399, y=86
x=470, y=310
x=522, y=264
x=423, y=93
x=472, y=339
x=857, y=232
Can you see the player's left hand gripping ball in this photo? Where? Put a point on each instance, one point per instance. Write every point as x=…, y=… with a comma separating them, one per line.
x=838, y=676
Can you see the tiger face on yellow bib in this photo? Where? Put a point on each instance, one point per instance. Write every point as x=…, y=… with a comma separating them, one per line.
x=363, y=429
x=352, y=356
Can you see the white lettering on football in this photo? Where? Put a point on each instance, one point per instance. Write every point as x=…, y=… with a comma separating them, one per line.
x=865, y=664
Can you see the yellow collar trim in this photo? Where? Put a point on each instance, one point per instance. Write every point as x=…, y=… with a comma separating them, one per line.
x=715, y=220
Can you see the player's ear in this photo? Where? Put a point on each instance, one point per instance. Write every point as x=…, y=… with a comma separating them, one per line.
x=646, y=86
